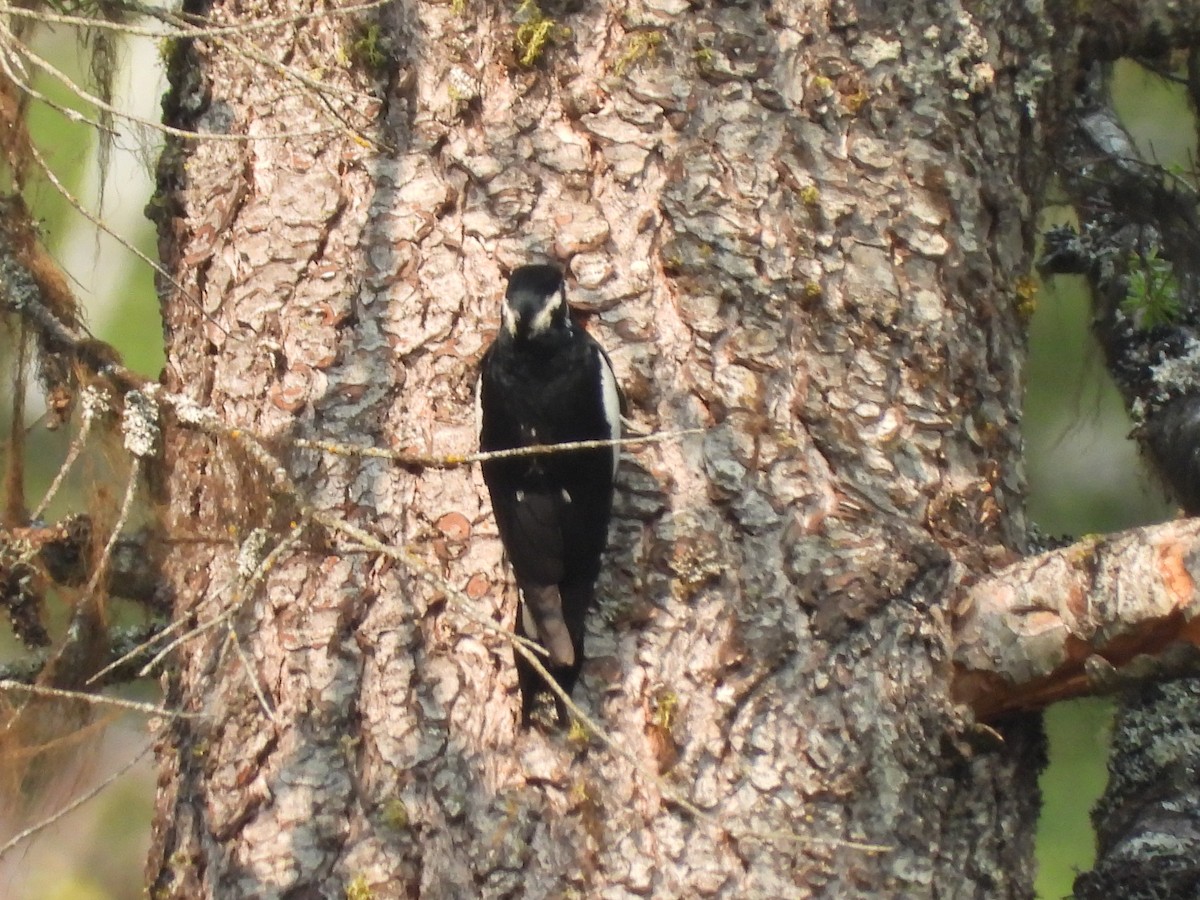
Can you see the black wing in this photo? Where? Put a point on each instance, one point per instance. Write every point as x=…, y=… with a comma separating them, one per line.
x=552, y=510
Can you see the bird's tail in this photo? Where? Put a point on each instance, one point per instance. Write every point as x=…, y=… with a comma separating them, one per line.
x=543, y=620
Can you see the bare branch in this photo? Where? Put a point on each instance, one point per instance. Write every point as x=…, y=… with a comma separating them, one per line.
x=462, y=603
x=19, y=49
x=29, y=670
x=146, y=709
x=248, y=668
x=62, y=552
x=1070, y=622
x=240, y=596
x=452, y=461
x=102, y=565
x=22, y=294
x=95, y=402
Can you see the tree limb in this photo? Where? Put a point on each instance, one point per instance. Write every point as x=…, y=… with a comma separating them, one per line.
x=33, y=288
x=1080, y=620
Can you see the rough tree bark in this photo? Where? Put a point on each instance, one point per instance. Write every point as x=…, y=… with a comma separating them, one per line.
x=803, y=229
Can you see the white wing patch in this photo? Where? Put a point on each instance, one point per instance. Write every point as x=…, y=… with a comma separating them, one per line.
x=479, y=405
x=610, y=399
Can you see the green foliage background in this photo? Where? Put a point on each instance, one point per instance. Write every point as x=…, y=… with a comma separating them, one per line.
x=108, y=837
x=1085, y=476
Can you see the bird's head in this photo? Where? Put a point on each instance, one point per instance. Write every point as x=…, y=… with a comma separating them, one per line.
x=535, y=305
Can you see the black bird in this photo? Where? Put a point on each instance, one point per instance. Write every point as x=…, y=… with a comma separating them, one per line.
x=546, y=381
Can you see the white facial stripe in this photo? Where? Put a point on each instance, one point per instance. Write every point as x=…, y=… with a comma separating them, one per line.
x=610, y=400
x=541, y=322
x=507, y=320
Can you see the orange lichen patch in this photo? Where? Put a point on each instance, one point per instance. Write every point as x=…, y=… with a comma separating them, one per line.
x=478, y=586
x=291, y=393
x=1076, y=600
x=1175, y=576
x=454, y=527
x=325, y=358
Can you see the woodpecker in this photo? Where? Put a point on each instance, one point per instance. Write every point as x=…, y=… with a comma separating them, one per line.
x=544, y=380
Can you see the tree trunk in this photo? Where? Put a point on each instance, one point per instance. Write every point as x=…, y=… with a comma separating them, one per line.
x=802, y=229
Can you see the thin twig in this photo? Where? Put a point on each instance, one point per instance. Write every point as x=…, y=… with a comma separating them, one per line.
x=91, y=598
x=178, y=31
x=73, y=451
x=83, y=798
x=453, y=461
x=181, y=133
x=457, y=598
x=148, y=709
x=253, y=54
x=99, y=223
x=138, y=650
x=241, y=594
x=189, y=412
x=71, y=115
x=131, y=489
x=246, y=667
